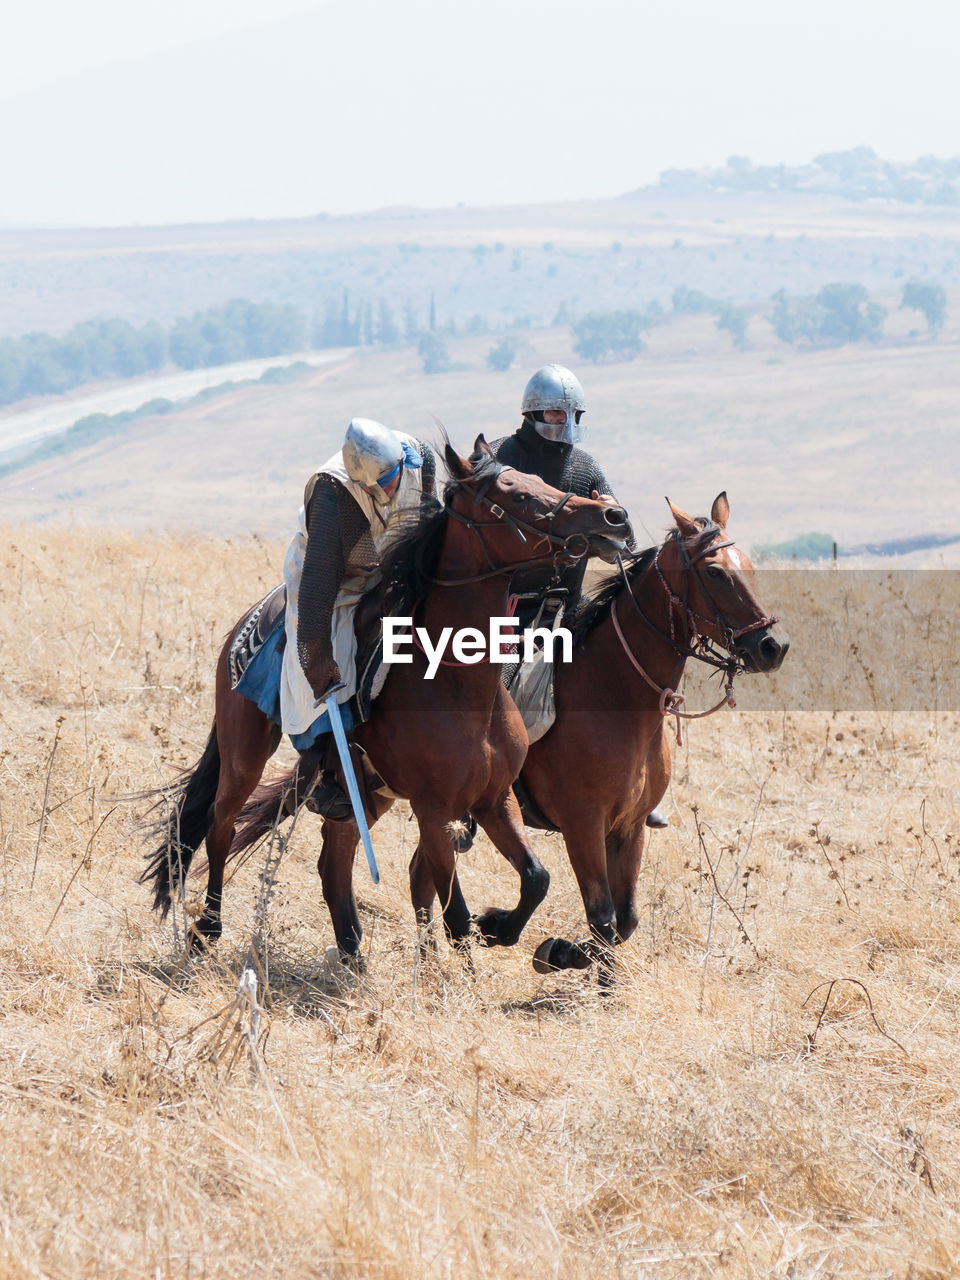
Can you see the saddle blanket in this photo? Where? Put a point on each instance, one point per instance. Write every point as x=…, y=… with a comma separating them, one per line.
x=254, y=631
x=255, y=664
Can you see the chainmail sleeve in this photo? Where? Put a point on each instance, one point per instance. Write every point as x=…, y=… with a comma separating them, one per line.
x=324, y=567
x=428, y=482
x=602, y=486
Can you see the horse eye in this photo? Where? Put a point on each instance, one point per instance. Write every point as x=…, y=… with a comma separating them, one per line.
x=521, y=497
x=714, y=571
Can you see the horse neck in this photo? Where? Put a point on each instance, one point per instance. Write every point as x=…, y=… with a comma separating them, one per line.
x=651, y=648
x=472, y=604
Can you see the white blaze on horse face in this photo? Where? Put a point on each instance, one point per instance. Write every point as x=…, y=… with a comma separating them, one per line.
x=734, y=555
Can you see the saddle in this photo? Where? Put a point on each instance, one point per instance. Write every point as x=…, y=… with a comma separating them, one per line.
x=256, y=627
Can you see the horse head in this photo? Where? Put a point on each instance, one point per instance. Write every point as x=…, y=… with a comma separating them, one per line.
x=522, y=518
x=712, y=586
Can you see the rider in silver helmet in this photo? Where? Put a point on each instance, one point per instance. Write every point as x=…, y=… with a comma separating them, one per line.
x=545, y=444
x=553, y=399
x=352, y=506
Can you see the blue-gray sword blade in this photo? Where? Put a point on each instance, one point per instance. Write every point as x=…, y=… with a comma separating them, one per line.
x=333, y=710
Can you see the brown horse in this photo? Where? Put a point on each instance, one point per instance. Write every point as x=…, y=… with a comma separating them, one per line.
x=449, y=745
x=606, y=761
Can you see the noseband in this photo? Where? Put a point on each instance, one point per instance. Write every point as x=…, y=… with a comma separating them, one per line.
x=698, y=646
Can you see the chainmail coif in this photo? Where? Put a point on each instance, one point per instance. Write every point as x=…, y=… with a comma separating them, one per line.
x=569, y=469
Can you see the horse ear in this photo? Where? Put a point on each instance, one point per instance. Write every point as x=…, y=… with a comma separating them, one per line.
x=720, y=511
x=458, y=467
x=480, y=446
x=686, y=524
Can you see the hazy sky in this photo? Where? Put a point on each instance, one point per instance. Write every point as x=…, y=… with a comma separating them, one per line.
x=112, y=112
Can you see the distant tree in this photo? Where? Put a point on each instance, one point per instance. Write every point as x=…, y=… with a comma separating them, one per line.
x=411, y=325
x=838, y=314
x=433, y=353
x=693, y=302
x=734, y=320
x=848, y=314
x=563, y=315
x=11, y=370
x=432, y=323
x=613, y=335
x=929, y=298
x=366, y=325
x=326, y=330
x=387, y=330
x=476, y=325
x=349, y=329
x=502, y=356
x=794, y=320
x=188, y=347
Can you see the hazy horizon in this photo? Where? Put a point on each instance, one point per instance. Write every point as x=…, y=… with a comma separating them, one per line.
x=214, y=112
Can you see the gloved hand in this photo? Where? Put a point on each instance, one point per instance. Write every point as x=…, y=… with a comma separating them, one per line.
x=322, y=673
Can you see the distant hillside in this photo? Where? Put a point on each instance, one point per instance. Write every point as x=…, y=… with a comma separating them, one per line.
x=857, y=174
x=480, y=267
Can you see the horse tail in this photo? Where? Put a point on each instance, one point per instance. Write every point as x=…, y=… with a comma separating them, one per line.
x=264, y=811
x=189, y=814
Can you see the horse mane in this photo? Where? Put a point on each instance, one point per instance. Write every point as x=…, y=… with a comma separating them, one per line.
x=410, y=562
x=593, y=608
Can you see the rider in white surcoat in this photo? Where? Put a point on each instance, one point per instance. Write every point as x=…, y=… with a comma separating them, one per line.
x=352, y=507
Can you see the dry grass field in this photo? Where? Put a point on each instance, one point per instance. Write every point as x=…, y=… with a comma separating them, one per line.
x=722, y=1113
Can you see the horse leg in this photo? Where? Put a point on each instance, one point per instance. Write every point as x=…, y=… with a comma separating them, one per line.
x=587, y=853
x=624, y=856
x=335, y=866
x=436, y=848
x=247, y=740
x=423, y=895
x=503, y=823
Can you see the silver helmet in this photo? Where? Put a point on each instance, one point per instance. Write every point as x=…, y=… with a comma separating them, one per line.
x=371, y=452
x=554, y=387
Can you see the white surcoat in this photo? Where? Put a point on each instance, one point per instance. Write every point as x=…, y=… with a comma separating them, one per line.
x=297, y=698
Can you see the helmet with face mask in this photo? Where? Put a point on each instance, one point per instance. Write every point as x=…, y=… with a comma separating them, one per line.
x=372, y=456
x=554, y=387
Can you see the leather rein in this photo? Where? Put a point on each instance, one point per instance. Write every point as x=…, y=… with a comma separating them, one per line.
x=698, y=646
x=568, y=550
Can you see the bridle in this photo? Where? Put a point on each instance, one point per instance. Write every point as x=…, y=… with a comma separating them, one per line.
x=698, y=645
x=567, y=550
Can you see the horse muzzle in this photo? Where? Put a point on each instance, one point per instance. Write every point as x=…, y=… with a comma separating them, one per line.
x=762, y=651
x=611, y=539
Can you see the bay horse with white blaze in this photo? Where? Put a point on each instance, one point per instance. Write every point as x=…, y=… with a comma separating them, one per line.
x=605, y=763
x=449, y=745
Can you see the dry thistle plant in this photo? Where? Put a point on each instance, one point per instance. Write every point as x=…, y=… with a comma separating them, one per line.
x=771, y=1089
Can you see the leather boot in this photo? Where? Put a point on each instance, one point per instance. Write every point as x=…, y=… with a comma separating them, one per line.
x=328, y=797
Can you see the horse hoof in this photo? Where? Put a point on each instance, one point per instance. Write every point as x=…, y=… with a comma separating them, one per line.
x=203, y=932
x=355, y=963
x=541, y=957
x=556, y=953
x=493, y=929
